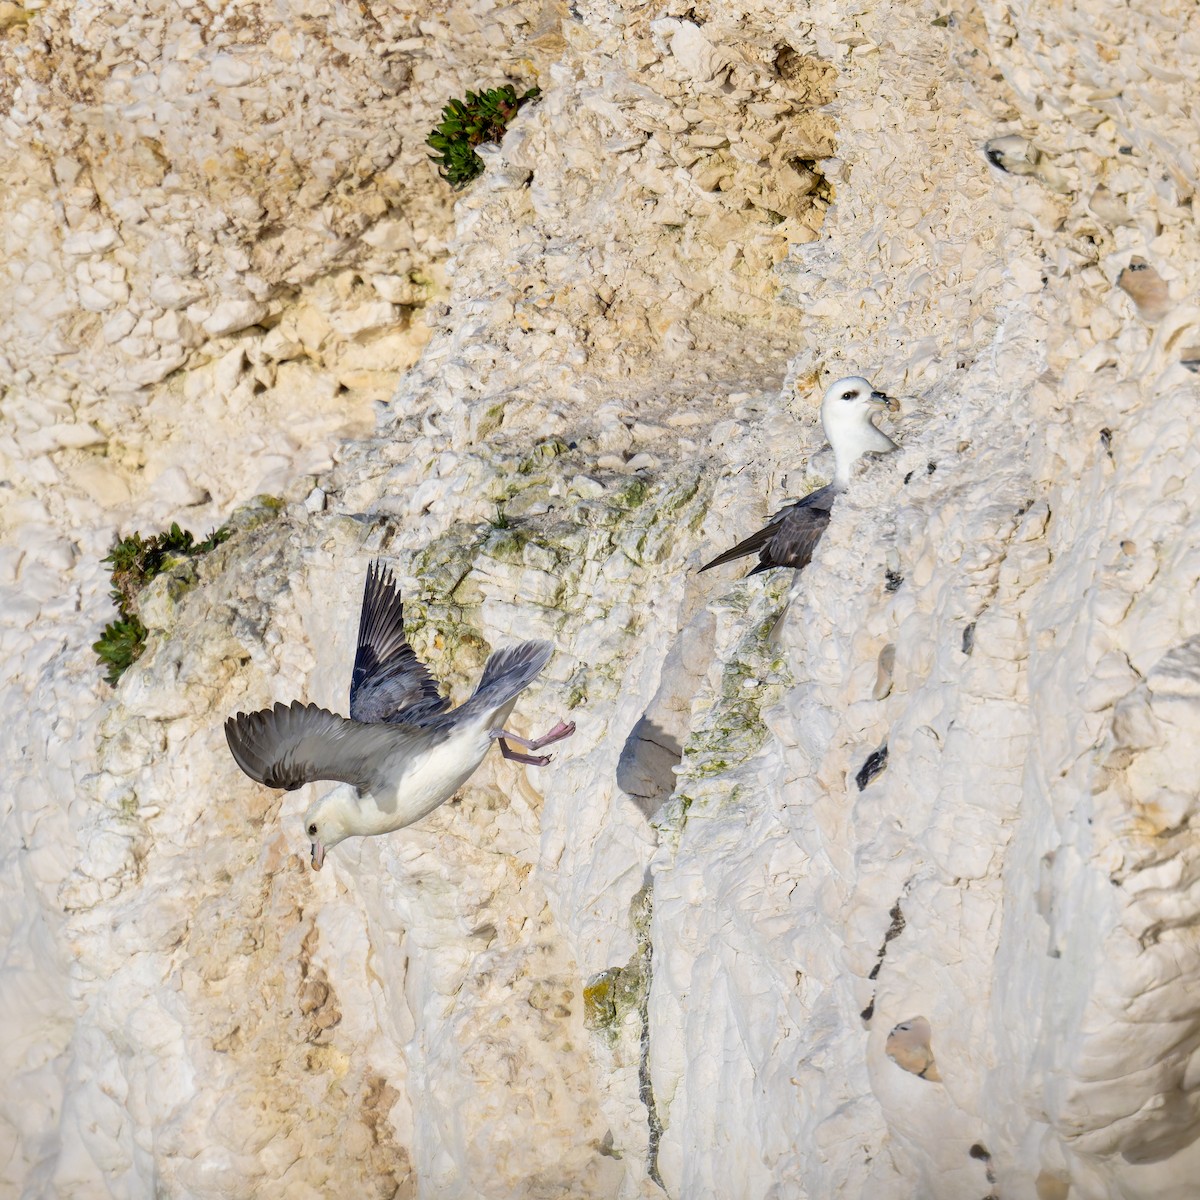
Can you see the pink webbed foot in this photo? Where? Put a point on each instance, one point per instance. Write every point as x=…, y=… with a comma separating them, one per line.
x=563, y=729
x=532, y=760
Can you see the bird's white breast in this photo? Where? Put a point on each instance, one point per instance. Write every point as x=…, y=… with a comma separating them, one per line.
x=432, y=776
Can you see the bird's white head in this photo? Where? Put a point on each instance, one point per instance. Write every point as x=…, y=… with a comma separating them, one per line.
x=846, y=416
x=327, y=821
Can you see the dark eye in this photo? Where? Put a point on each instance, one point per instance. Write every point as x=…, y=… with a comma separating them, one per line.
x=312, y=831
x=849, y=395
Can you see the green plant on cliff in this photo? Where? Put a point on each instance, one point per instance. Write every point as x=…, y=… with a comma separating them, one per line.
x=481, y=118
x=121, y=643
x=135, y=561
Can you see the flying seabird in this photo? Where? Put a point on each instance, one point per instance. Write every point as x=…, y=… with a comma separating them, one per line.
x=403, y=751
x=789, y=538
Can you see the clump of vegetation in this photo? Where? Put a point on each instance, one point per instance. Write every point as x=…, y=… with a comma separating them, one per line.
x=481, y=118
x=135, y=561
x=121, y=643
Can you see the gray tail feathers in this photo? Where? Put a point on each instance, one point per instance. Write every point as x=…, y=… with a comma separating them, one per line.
x=507, y=673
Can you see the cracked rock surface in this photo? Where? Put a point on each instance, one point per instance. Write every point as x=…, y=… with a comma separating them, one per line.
x=680, y=959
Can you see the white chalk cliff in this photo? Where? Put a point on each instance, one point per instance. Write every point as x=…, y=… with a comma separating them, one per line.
x=676, y=961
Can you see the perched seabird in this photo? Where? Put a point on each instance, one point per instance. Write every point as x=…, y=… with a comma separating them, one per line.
x=789, y=538
x=403, y=751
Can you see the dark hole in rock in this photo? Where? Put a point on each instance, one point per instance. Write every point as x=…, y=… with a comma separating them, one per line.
x=654, y=747
x=645, y=769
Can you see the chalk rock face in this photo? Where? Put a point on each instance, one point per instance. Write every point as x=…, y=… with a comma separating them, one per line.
x=948, y=770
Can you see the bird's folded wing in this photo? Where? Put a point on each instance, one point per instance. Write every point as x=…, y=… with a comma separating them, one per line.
x=389, y=682
x=794, y=536
x=797, y=522
x=756, y=541
x=292, y=744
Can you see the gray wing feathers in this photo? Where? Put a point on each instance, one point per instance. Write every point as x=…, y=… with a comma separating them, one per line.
x=789, y=538
x=749, y=545
x=292, y=744
x=389, y=682
x=506, y=674
x=795, y=538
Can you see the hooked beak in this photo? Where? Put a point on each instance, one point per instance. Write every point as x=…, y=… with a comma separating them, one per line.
x=883, y=400
x=318, y=855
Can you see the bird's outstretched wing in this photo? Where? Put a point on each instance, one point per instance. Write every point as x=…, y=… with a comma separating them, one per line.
x=789, y=538
x=389, y=682
x=292, y=744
